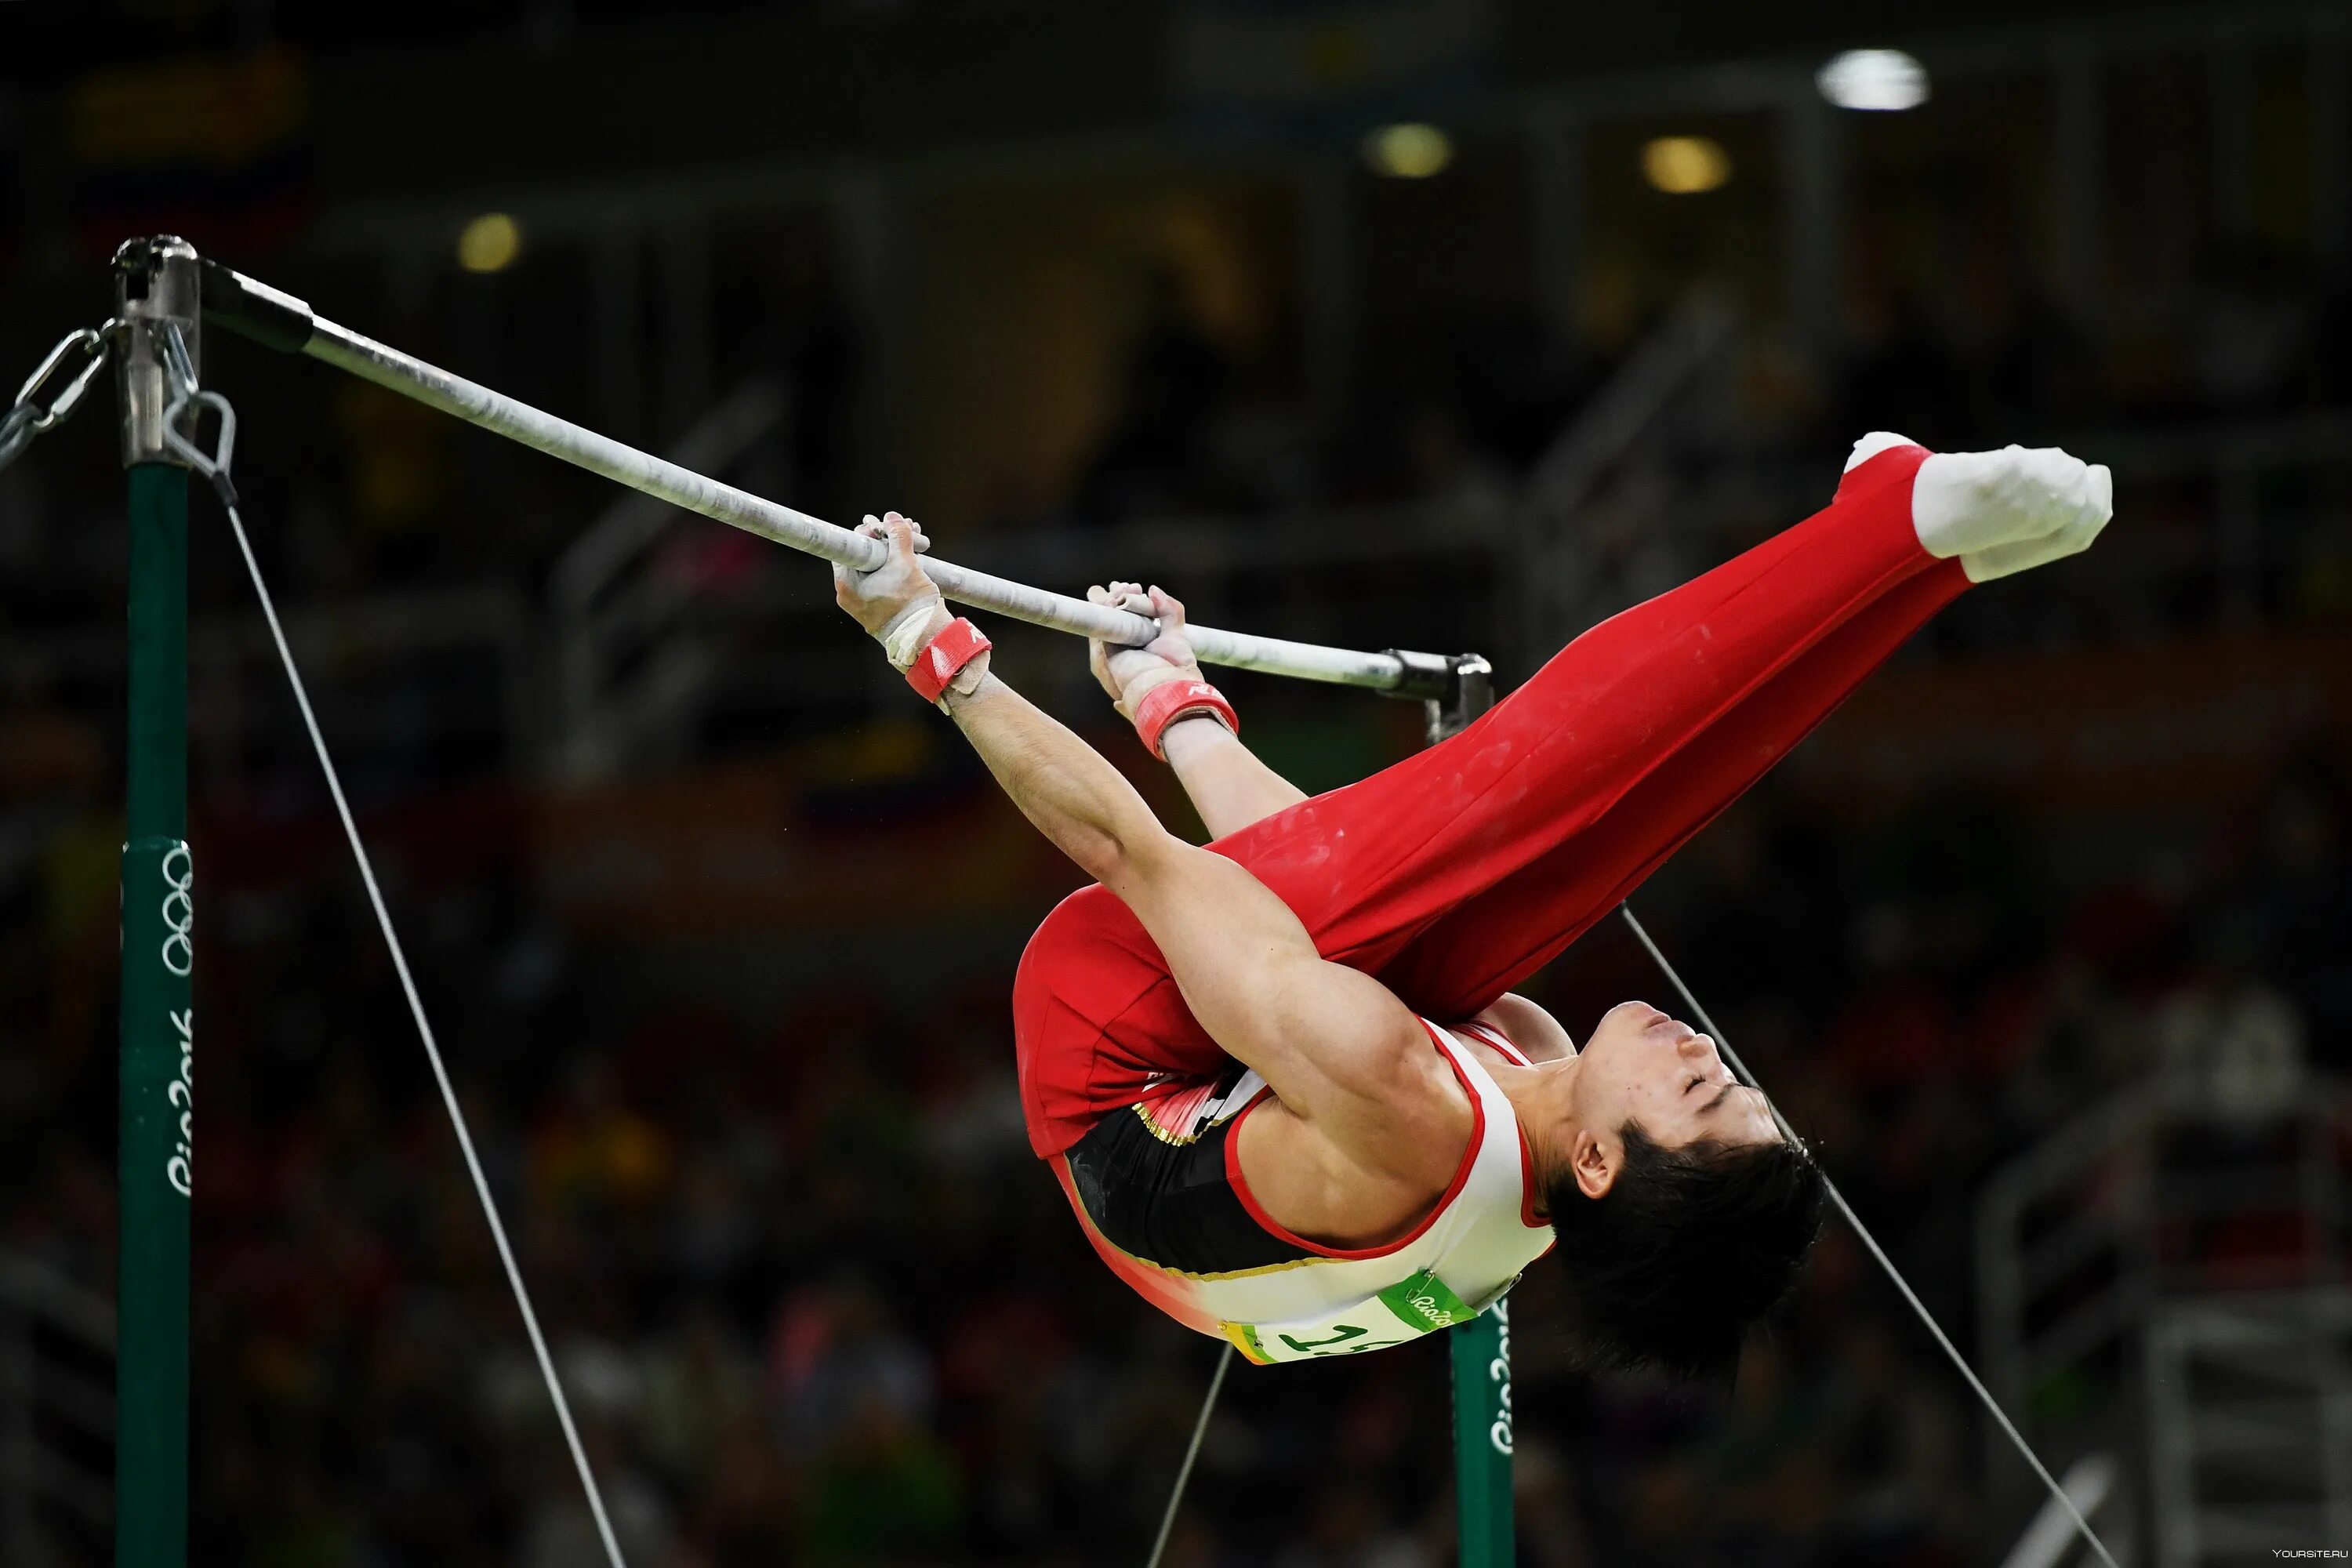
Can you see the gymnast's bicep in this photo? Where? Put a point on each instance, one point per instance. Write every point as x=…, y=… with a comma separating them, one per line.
x=1338, y=1048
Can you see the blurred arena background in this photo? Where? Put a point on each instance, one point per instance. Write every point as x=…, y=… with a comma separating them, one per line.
x=1453, y=324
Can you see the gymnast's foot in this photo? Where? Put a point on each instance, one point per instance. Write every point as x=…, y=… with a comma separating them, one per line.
x=2001, y=511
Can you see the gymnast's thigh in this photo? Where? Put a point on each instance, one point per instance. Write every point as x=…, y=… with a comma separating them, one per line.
x=1097, y=1020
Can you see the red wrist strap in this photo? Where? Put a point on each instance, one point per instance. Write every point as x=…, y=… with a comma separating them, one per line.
x=1163, y=705
x=943, y=657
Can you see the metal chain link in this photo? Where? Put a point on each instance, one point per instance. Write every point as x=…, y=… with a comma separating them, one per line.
x=37, y=410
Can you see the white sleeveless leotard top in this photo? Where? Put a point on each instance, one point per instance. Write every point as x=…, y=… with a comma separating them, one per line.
x=1455, y=1264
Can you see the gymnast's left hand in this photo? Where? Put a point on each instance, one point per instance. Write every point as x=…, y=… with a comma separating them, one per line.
x=1127, y=673
x=878, y=599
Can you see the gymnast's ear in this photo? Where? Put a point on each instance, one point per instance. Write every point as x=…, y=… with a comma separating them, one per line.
x=1593, y=1164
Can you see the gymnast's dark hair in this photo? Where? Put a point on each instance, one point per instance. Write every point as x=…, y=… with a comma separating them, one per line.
x=1688, y=1249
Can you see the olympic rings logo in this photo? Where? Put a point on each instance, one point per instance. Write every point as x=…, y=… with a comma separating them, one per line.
x=179, y=910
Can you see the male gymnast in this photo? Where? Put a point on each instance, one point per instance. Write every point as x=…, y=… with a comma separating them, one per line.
x=1282, y=1079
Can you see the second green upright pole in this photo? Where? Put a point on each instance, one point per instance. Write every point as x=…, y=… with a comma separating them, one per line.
x=157, y=352
x=1483, y=1437
x=1480, y=1348
x=158, y=1070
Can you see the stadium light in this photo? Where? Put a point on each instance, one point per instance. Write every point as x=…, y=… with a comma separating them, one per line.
x=1408, y=151
x=1686, y=165
x=489, y=243
x=1878, y=79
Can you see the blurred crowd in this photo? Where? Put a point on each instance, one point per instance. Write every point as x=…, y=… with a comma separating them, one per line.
x=369, y=493
x=815, y=1303
x=1477, y=412
x=814, y=1300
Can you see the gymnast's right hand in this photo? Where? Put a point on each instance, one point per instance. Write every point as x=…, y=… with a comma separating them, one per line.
x=1127, y=673
x=891, y=600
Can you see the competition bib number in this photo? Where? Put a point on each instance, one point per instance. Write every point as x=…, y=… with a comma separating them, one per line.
x=1405, y=1310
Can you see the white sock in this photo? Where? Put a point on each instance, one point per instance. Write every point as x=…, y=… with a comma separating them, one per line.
x=2001, y=511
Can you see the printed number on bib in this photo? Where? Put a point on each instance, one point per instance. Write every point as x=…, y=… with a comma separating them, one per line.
x=1405, y=1310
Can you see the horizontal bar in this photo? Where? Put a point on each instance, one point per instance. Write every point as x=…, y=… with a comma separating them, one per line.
x=285, y=322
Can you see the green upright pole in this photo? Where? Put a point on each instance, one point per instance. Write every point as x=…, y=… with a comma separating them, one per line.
x=151, y=1472
x=155, y=284
x=1481, y=1348
x=1482, y=1438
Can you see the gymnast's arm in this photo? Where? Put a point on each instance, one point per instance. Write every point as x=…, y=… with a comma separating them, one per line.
x=1230, y=788
x=1227, y=783
x=1366, y=1121
x=1086, y=806
x=1345, y=1057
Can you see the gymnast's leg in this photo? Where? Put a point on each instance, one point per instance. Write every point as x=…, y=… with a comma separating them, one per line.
x=1460, y=870
x=1457, y=871
x=1494, y=941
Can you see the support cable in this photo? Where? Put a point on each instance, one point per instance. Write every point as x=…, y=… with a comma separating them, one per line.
x=1870, y=1244
x=1192, y=1452
x=214, y=466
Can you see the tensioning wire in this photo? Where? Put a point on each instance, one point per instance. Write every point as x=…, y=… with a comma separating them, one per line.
x=1192, y=1452
x=425, y=1034
x=1870, y=1244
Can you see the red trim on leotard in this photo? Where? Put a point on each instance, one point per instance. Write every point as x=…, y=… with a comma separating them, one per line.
x=1461, y=1176
x=1528, y=1190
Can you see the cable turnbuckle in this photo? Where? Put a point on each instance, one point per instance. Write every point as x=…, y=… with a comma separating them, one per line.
x=212, y=465
x=186, y=396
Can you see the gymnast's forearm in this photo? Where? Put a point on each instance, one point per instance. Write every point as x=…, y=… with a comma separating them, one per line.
x=1229, y=785
x=1063, y=786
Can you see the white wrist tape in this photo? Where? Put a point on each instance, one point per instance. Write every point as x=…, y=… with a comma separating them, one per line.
x=967, y=682
x=1142, y=685
x=908, y=632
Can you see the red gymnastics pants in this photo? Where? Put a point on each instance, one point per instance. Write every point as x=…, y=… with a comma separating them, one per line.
x=1456, y=874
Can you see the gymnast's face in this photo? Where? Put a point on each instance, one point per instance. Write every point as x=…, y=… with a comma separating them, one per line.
x=1640, y=1066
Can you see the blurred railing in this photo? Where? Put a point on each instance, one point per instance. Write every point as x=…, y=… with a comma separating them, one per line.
x=2221, y=523
x=448, y=673
x=56, y=1416
x=2105, y=1251
x=630, y=663
x=2052, y=1539
x=2250, y=1425
x=775, y=658
x=1685, y=355
x=640, y=656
